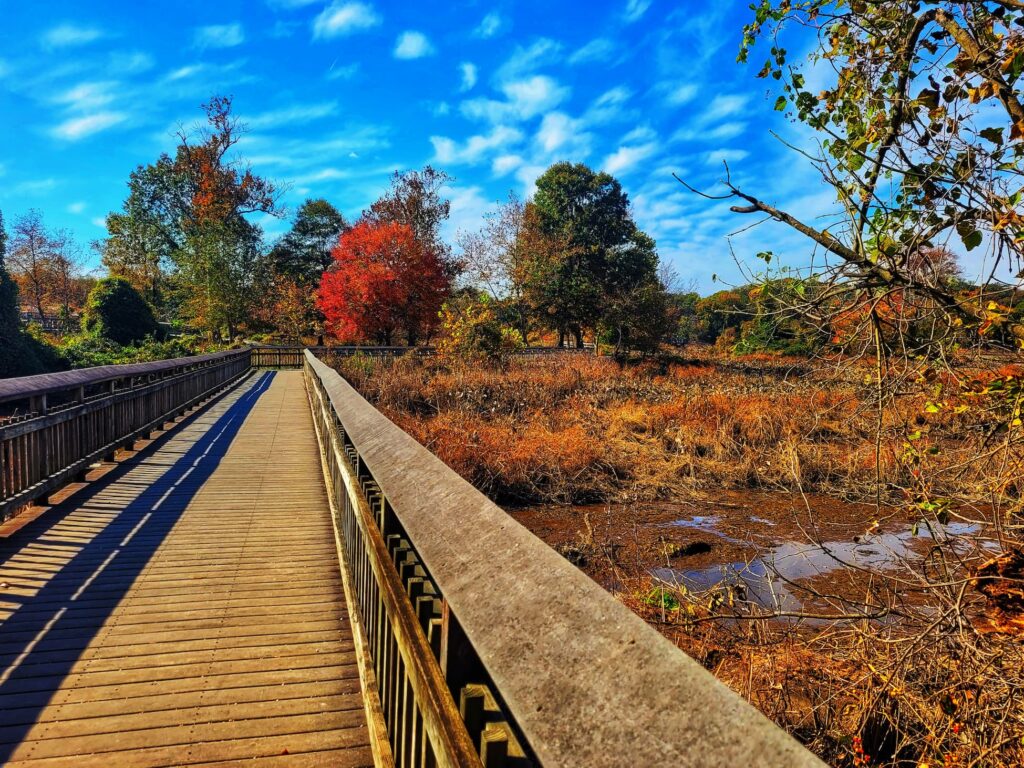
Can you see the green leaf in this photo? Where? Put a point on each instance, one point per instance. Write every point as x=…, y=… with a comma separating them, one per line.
x=995, y=135
x=780, y=103
x=972, y=240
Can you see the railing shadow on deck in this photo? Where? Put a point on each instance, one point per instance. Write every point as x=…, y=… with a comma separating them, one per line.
x=46, y=635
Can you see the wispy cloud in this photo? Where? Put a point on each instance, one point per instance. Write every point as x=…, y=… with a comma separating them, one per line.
x=87, y=96
x=542, y=52
x=339, y=19
x=67, y=35
x=559, y=133
x=505, y=164
x=77, y=207
x=130, y=62
x=681, y=94
x=413, y=45
x=219, y=36
x=720, y=156
x=296, y=114
x=468, y=71
x=600, y=49
x=524, y=99
x=476, y=148
x=491, y=25
x=635, y=9
x=638, y=145
x=344, y=72
x=724, y=106
x=35, y=186
x=80, y=127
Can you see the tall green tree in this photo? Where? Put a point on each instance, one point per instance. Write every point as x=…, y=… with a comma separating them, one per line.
x=602, y=262
x=189, y=212
x=304, y=253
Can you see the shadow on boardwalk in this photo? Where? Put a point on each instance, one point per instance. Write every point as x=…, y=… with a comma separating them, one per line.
x=47, y=633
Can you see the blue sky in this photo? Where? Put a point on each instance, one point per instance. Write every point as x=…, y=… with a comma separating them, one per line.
x=339, y=95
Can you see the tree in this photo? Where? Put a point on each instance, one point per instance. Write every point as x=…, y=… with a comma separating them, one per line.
x=384, y=281
x=116, y=311
x=304, y=254
x=493, y=259
x=601, y=259
x=415, y=199
x=46, y=265
x=189, y=212
x=921, y=133
x=20, y=354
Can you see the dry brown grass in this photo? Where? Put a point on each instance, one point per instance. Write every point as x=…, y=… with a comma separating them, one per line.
x=578, y=428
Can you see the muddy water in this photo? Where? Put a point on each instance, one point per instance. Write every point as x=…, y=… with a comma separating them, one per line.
x=763, y=548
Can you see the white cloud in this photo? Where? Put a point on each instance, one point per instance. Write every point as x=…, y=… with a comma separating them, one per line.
x=524, y=99
x=468, y=208
x=505, y=164
x=80, y=127
x=720, y=156
x=296, y=114
x=412, y=45
x=130, y=62
x=78, y=207
x=476, y=148
x=681, y=94
x=608, y=106
x=490, y=25
x=441, y=109
x=345, y=72
x=87, y=96
x=542, y=52
x=219, y=36
x=600, y=49
x=635, y=9
x=100, y=222
x=187, y=71
x=35, y=187
x=624, y=159
x=340, y=19
x=720, y=132
x=66, y=35
x=468, y=71
x=724, y=106
x=564, y=135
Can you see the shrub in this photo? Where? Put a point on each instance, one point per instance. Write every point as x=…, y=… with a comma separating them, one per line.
x=472, y=332
x=116, y=311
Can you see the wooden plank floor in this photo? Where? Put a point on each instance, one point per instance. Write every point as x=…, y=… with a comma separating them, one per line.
x=187, y=608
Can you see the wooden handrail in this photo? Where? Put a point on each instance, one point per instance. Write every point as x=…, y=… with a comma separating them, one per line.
x=277, y=356
x=54, y=426
x=543, y=666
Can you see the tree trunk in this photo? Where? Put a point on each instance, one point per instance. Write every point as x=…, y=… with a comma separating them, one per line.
x=578, y=335
x=561, y=339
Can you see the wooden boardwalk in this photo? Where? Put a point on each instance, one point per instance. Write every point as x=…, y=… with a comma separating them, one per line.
x=187, y=608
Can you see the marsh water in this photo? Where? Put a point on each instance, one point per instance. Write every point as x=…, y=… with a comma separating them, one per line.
x=770, y=551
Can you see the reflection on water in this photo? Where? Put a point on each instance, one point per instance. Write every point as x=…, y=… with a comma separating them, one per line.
x=764, y=580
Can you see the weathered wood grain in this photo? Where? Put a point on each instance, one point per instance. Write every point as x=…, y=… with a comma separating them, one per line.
x=188, y=608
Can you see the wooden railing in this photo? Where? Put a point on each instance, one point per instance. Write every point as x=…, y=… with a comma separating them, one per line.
x=54, y=426
x=484, y=646
x=292, y=357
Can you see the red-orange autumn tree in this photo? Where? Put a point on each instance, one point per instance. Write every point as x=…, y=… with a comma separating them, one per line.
x=384, y=281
